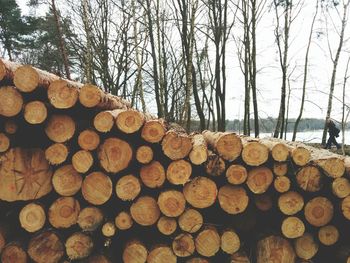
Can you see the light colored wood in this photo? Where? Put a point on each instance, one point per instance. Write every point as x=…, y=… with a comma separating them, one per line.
x=144, y=154
x=279, y=150
x=166, y=225
x=259, y=179
x=199, y=152
x=239, y=257
x=179, y=172
x=153, y=131
x=230, y=242
x=280, y=169
x=345, y=207
x=109, y=229
x=56, y=153
x=191, y=221
x=328, y=235
x=46, y=247
x=292, y=227
x=32, y=217
x=263, y=202
x=129, y=120
x=66, y=180
x=153, y=174
x=208, y=242
x=128, y=187
x=290, y=203
x=10, y=126
x=171, y=203
x=145, y=211
x=13, y=253
x=79, y=246
x=227, y=145
x=104, y=120
x=11, y=101
x=4, y=142
x=341, y=187
x=197, y=260
x=62, y=95
x=282, y=184
x=318, y=211
x=176, y=145
x=3, y=235
x=183, y=245
x=64, y=212
x=309, y=178
x=24, y=175
x=275, y=249
x=201, y=192
x=90, y=218
x=233, y=199
x=7, y=69
x=236, y=174
x=88, y=140
x=300, y=155
x=114, y=155
x=97, y=188
x=306, y=246
x=82, y=161
x=135, y=252
x=60, y=128
x=161, y=254
x=123, y=220
x=215, y=165
x=35, y=112
x=254, y=153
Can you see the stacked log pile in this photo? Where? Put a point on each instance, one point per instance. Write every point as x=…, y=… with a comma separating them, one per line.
x=85, y=178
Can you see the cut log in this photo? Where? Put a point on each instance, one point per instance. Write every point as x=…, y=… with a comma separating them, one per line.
x=123, y=220
x=11, y=101
x=227, y=145
x=230, y=242
x=144, y=154
x=56, y=154
x=46, y=247
x=341, y=187
x=179, y=172
x=280, y=169
x=279, y=150
x=145, y=211
x=263, y=202
x=82, y=161
x=79, y=246
x=233, y=199
x=282, y=184
x=4, y=142
x=153, y=131
x=64, y=212
x=161, y=254
x=135, y=252
x=97, y=188
x=32, y=217
x=13, y=253
x=104, y=121
x=153, y=174
x=254, y=153
x=201, y=192
x=90, y=218
x=275, y=249
x=10, y=126
x=236, y=174
x=183, y=245
x=176, y=145
x=60, y=128
x=259, y=179
x=35, y=112
x=239, y=257
x=215, y=165
x=199, y=152
x=3, y=236
x=306, y=247
x=88, y=140
x=24, y=175
x=309, y=178
x=300, y=155
x=345, y=207
x=290, y=203
x=197, y=260
x=128, y=187
x=328, y=235
x=7, y=68
x=62, y=95
x=292, y=227
x=171, y=203
x=166, y=225
x=191, y=221
x=208, y=242
x=318, y=211
x=109, y=229
x=129, y=121
x=92, y=96
x=66, y=180
x=114, y=155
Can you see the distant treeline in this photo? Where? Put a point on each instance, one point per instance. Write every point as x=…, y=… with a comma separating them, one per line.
x=267, y=125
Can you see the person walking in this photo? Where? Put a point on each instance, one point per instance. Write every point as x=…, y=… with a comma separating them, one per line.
x=333, y=132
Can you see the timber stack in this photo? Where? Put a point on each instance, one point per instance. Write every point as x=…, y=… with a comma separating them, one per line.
x=86, y=178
